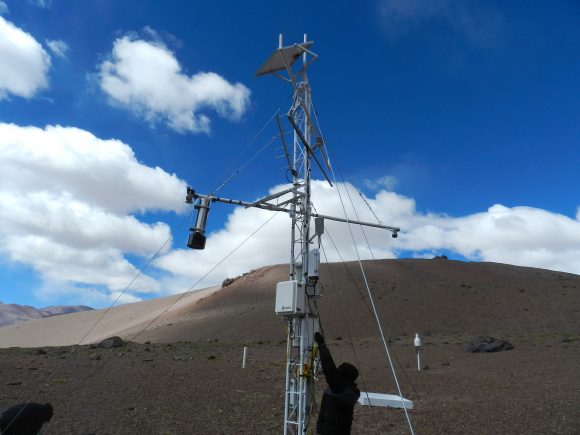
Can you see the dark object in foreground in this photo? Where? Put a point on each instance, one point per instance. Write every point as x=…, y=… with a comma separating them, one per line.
x=338, y=400
x=25, y=418
x=111, y=342
x=488, y=344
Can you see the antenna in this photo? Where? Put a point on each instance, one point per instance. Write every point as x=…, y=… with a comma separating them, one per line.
x=293, y=297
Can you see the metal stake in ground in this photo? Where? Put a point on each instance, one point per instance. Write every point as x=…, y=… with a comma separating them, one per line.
x=417, y=343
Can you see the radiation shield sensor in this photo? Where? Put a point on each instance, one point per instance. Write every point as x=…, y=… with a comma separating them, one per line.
x=197, y=237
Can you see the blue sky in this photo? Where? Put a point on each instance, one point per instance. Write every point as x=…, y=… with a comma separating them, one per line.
x=458, y=121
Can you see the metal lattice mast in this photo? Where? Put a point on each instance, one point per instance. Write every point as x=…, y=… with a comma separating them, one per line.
x=299, y=364
x=293, y=297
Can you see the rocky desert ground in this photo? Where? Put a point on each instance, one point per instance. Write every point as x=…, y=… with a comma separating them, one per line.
x=182, y=374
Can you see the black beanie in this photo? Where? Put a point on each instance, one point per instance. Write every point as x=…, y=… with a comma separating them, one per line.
x=349, y=371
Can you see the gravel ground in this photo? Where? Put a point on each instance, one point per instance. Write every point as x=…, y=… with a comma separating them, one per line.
x=200, y=387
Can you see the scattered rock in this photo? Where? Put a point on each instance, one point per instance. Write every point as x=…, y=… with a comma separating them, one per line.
x=148, y=359
x=228, y=281
x=94, y=357
x=567, y=339
x=211, y=357
x=488, y=344
x=112, y=342
x=41, y=352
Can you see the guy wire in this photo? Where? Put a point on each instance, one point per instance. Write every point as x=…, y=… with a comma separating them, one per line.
x=364, y=384
x=76, y=346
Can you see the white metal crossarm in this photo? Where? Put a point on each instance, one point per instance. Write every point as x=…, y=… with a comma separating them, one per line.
x=263, y=201
x=279, y=207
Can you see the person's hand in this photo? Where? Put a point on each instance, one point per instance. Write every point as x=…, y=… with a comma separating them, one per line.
x=318, y=338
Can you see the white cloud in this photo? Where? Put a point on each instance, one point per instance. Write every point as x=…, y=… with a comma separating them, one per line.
x=67, y=204
x=70, y=204
x=72, y=161
x=520, y=235
x=24, y=65
x=146, y=78
x=3, y=8
x=58, y=47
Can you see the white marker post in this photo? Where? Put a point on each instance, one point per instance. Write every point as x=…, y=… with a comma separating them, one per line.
x=417, y=343
x=244, y=357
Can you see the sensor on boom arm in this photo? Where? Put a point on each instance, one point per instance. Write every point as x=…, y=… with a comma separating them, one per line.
x=197, y=237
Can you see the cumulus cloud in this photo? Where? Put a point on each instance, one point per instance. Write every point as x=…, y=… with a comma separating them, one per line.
x=3, y=8
x=479, y=23
x=24, y=65
x=72, y=204
x=146, y=78
x=58, y=47
x=68, y=204
x=523, y=236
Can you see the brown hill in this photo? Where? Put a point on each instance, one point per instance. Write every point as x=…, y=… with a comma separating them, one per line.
x=425, y=296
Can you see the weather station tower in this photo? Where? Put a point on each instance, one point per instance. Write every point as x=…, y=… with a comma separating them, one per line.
x=295, y=298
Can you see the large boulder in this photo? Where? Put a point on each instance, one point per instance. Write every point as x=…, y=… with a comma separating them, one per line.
x=488, y=344
x=111, y=342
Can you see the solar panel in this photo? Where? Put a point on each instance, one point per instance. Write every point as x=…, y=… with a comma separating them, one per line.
x=289, y=54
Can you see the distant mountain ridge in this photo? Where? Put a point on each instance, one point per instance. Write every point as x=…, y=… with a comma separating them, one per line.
x=14, y=313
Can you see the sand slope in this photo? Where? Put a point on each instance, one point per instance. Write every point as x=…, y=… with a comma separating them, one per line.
x=92, y=326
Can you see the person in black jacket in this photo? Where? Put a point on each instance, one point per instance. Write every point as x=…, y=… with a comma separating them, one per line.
x=25, y=419
x=338, y=400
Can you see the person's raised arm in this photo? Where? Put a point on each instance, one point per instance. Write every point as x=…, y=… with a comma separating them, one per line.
x=333, y=377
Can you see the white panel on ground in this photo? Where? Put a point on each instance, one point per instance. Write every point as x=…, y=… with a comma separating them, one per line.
x=385, y=400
